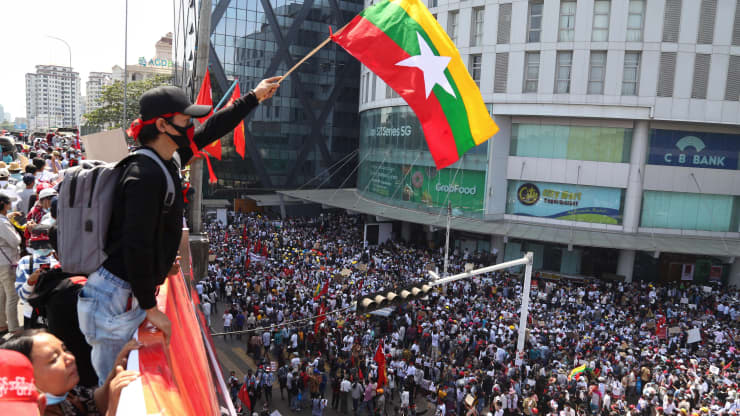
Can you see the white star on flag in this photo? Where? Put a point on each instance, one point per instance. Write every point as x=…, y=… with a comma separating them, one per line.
x=431, y=65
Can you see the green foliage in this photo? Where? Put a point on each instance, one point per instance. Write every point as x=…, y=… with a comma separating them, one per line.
x=111, y=98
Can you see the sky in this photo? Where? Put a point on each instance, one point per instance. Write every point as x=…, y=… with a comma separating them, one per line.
x=94, y=30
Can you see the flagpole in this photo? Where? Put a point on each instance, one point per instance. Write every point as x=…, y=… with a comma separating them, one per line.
x=312, y=53
x=226, y=96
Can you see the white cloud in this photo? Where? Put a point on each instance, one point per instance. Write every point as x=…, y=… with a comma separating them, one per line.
x=94, y=30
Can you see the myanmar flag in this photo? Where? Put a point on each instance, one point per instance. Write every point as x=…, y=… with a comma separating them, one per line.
x=402, y=43
x=576, y=372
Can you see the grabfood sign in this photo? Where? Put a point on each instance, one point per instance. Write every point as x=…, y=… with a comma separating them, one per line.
x=696, y=150
x=457, y=189
x=425, y=185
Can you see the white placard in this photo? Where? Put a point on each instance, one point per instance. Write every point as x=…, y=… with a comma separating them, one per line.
x=694, y=336
x=108, y=146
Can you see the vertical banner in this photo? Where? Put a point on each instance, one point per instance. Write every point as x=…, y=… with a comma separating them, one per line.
x=687, y=272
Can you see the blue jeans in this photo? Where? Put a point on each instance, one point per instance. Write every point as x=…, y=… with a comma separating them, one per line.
x=105, y=319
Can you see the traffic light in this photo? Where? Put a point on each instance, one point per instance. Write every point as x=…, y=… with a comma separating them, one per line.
x=391, y=297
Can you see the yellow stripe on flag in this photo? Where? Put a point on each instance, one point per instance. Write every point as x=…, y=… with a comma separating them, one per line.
x=482, y=127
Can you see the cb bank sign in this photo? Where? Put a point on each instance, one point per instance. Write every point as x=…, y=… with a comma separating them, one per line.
x=694, y=150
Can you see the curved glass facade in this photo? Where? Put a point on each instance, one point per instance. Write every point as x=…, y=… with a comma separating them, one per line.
x=396, y=167
x=311, y=123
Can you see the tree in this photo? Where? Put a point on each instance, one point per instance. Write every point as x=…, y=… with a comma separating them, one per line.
x=111, y=99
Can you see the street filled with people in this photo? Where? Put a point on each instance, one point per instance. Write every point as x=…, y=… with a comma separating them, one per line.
x=285, y=289
x=85, y=272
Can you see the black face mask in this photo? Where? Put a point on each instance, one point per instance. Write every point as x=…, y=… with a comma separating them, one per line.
x=185, y=135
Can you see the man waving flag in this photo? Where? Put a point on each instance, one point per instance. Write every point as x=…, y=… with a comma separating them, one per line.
x=401, y=42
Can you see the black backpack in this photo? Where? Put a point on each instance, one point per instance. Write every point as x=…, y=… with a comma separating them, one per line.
x=55, y=299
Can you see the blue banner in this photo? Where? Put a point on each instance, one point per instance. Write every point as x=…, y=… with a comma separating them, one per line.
x=565, y=202
x=694, y=150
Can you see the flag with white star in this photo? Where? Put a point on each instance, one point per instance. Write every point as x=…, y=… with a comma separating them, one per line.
x=402, y=43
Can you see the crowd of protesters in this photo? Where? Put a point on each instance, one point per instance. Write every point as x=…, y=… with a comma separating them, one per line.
x=593, y=347
x=78, y=323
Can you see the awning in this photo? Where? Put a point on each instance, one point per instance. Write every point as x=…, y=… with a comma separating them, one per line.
x=351, y=200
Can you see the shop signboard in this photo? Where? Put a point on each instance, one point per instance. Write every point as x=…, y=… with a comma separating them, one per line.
x=565, y=202
x=426, y=185
x=715, y=273
x=694, y=150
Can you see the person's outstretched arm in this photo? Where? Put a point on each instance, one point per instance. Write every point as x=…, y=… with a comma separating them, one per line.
x=226, y=119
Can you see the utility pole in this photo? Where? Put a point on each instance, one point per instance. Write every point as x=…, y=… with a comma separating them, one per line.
x=201, y=66
x=447, y=239
x=124, y=119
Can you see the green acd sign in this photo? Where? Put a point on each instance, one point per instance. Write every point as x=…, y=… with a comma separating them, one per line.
x=156, y=62
x=425, y=185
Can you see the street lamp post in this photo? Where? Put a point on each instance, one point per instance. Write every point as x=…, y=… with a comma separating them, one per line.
x=71, y=79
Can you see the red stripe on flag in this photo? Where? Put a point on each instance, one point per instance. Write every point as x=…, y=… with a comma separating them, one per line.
x=380, y=53
x=239, y=141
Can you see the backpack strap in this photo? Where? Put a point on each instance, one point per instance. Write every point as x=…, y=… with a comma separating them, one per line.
x=169, y=197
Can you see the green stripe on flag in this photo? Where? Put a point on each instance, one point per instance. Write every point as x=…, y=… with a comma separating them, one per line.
x=402, y=29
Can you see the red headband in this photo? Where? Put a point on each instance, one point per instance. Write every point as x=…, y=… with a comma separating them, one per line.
x=137, y=124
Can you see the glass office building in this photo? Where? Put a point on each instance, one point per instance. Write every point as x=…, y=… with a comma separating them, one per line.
x=312, y=122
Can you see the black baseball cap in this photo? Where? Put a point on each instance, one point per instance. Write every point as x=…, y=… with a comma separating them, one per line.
x=167, y=101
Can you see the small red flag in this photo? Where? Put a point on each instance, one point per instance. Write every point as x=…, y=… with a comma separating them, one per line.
x=239, y=140
x=205, y=98
x=320, y=318
x=380, y=360
x=244, y=396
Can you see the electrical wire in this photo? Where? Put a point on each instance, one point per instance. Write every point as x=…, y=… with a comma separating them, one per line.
x=265, y=328
x=347, y=156
x=338, y=169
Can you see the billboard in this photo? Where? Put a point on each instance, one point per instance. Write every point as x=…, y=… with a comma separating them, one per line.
x=694, y=150
x=565, y=202
x=425, y=185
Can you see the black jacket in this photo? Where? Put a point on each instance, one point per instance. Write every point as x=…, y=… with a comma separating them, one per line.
x=143, y=237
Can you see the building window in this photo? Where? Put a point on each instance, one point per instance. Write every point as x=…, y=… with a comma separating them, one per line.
x=390, y=92
x=534, y=22
x=666, y=74
x=475, y=66
x=596, y=72
x=562, y=74
x=504, y=23
x=631, y=79
x=600, y=31
x=567, y=21
x=701, y=76
x=672, y=20
x=531, y=71
x=732, y=90
x=706, y=22
x=502, y=72
x=736, y=26
x=552, y=141
x=635, y=20
x=432, y=3
x=476, y=27
x=452, y=25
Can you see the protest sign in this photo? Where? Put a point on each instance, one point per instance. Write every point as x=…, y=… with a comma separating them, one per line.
x=693, y=336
